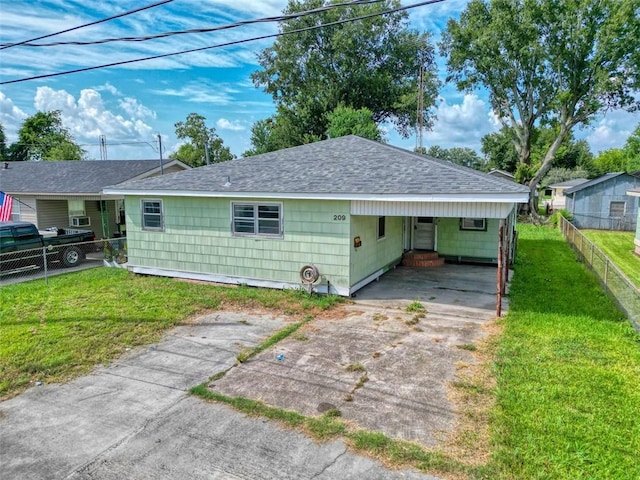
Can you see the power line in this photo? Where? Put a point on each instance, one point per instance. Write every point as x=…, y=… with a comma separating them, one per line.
x=147, y=7
x=145, y=38
x=226, y=44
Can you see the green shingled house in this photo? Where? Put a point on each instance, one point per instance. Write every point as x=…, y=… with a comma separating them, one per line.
x=344, y=210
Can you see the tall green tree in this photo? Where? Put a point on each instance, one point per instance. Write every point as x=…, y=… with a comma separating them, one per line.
x=373, y=63
x=43, y=137
x=349, y=121
x=460, y=155
x=557, y=61
x=196, y=133
x=4, y=150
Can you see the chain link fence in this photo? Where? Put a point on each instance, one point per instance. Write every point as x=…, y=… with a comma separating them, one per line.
x=44, y=262
x=616, y=283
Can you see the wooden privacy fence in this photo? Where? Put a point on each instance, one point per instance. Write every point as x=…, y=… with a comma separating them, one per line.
x=616, y=283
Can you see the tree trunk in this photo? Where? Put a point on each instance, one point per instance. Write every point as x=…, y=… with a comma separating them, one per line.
x=547, y=163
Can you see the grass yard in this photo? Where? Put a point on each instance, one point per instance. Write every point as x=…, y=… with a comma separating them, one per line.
x=568, y=364
x=618, y=246
x=55, y=332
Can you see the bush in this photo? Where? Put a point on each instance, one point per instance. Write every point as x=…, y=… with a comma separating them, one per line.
x=554, y=219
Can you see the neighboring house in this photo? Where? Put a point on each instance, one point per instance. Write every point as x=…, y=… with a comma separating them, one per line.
x=636, y=193
x=603, y=203
x=496, y=172
x=68, y=194
x=558, y=199
x=348, y=207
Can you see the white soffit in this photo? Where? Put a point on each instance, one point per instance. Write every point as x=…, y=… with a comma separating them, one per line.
x=428, y=209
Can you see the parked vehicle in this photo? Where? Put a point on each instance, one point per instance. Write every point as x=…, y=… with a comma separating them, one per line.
x=21, y=246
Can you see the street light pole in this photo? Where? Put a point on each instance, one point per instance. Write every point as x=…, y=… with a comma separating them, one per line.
x=160, y=149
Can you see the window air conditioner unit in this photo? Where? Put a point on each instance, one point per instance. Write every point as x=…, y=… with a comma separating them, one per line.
x=80, y=221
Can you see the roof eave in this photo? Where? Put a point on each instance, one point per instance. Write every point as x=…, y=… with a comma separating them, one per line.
x=497, y=197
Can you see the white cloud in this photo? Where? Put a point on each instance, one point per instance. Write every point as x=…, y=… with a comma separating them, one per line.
x=135, y=109
x=225, y=124
x=11, y=117
x=611, y=131
x=202, y=92
x=461, y=124
x=88, y=118
x=109, y=88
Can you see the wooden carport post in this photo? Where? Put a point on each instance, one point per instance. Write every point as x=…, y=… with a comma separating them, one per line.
x=500, y=279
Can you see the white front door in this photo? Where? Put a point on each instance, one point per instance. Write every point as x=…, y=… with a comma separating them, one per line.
x=424, y=233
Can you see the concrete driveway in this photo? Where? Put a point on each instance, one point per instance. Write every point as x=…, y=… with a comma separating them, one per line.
x=383, y=367
x=134, y=420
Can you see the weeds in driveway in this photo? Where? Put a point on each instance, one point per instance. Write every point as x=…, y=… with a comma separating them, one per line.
x=355, y=367
x=60, y=330
x=397, y=453
x=415, y=306
x=272, y=340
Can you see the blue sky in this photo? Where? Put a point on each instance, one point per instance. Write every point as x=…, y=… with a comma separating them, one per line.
x=136, y=102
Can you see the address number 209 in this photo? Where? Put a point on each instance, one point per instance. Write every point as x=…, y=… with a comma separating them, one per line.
x=339, y=218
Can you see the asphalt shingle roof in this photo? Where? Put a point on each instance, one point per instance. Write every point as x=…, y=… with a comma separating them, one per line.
x=345, y=165
x=70, y=177
x=569, y=183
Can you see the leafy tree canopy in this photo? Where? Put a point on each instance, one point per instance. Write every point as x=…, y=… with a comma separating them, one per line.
x=372, y=63
x=193, y=151
x=560, y=61
x=625, y=159
x=43, y=137
x=500, y=152
x=4, y=150
x=462, y=156
x=349, y=121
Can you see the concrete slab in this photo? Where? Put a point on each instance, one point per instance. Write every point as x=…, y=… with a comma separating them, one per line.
x=49, y=431
x=384, y=368
x=197, y=440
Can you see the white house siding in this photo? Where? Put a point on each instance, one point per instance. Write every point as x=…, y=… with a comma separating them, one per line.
x=27, y=209
x=374, y=254
x=197, y=238
x=52, y=213
x=432, y=209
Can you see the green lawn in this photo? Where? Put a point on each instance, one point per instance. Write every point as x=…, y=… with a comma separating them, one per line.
x=568, y=367
x=55, y=332
x=618, y=246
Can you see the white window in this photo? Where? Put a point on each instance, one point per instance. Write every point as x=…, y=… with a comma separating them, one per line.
x=382, y=227
x=152, y=215
x=259, y=219
x=15, y=210
x=616, y=209
x=76, y=208
x=473, y=224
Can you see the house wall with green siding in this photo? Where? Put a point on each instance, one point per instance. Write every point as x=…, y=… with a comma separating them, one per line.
x=467, y=244
x=197, y=238
x=374, y=254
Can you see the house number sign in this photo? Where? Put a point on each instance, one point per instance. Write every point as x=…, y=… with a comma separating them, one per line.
x=339, y=218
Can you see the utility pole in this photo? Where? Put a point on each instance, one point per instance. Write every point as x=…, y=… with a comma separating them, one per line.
x=420, y=110
x=206, y=152
x=103, y=147
x=160, y=150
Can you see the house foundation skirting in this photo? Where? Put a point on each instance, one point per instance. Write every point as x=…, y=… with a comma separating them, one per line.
x=230, y=280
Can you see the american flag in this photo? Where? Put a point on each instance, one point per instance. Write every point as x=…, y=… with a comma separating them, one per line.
x=6, y=204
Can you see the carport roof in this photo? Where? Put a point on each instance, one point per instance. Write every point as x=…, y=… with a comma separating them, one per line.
x=345, y=167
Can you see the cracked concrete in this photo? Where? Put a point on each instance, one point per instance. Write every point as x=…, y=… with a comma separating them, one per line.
x=133, y=419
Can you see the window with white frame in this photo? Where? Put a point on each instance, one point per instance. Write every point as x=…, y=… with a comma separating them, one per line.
x=76, y=208
x=382, y=227
x=15, y=211
x=152, y=215
x=616, y=209
x=257, y=219
x=479, y=224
